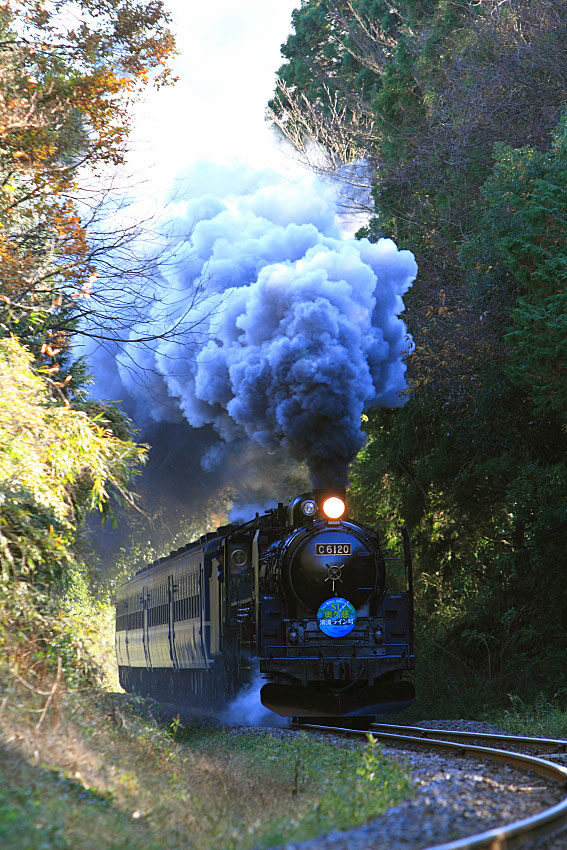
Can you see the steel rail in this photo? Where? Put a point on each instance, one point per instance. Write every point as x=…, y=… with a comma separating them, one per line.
x=557, y=745
x=506, y=837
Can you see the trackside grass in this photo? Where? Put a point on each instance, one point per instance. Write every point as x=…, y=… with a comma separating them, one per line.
x=541, y=717
x=101, y=772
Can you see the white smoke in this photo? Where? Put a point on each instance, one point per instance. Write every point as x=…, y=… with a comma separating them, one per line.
x=298, y=329
x=247, y=709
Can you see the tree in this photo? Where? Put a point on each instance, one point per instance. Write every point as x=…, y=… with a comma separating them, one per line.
x=421, y=93
x=524, y=252
x=69, y=74
x=56, y=464
x=454, y=110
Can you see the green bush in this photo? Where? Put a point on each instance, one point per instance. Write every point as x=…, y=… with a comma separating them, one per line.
x=56, y=464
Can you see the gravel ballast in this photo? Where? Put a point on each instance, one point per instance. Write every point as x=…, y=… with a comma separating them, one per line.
x=455, y=797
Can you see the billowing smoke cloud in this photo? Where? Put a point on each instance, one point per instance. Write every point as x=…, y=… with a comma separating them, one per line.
x=291, y=330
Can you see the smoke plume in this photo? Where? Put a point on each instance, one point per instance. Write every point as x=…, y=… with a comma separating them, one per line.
x=294, y=332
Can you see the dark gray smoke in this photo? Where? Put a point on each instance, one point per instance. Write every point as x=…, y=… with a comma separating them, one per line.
x=299, y=330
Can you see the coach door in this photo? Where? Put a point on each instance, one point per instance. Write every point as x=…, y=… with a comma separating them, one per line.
x=146, y=594
x=171, y=590
x=202, y=616
x=126, y=617
x=218, y=606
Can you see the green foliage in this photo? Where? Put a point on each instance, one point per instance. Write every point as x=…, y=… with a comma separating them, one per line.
x=544, y=717
x=459, y=110
x=37, y=634
x=69, y=74
x=539, y=344
x=523, y=250
x=56, y=464
x=134, y=782
x=330, y=787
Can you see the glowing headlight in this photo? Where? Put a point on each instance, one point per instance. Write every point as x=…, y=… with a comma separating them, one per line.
x=333, y=507
x=309, y=507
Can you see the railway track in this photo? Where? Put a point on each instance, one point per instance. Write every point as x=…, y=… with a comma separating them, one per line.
x=510, y=835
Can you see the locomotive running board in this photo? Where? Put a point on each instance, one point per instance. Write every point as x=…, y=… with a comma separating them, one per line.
x=293, y=700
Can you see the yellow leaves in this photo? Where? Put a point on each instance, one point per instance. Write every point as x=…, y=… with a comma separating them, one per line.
x=47, y=451
x=124, y=48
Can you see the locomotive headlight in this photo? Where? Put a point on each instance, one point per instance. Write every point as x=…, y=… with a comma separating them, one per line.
x=309, y=507
x=293, y=635
x=379, y=635
x=333, y=507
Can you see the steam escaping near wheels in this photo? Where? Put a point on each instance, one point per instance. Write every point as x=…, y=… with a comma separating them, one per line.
x=247, y=709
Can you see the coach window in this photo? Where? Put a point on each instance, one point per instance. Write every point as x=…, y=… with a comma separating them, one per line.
x=238, y=561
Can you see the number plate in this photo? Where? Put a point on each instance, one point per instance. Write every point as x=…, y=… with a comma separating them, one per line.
x=333, y=549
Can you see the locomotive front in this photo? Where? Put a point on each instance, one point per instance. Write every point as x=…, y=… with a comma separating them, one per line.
x=302, y=588
x=333, y=641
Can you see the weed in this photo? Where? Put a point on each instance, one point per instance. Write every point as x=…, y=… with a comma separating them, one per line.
x=163, y=786
x=542, y=717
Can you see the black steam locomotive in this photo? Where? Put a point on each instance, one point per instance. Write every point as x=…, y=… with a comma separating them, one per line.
x=301, y=590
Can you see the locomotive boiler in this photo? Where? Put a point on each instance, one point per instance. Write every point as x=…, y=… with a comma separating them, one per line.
x=300, y=592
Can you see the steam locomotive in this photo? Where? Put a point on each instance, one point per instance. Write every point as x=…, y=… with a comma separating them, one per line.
x=300, y=590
